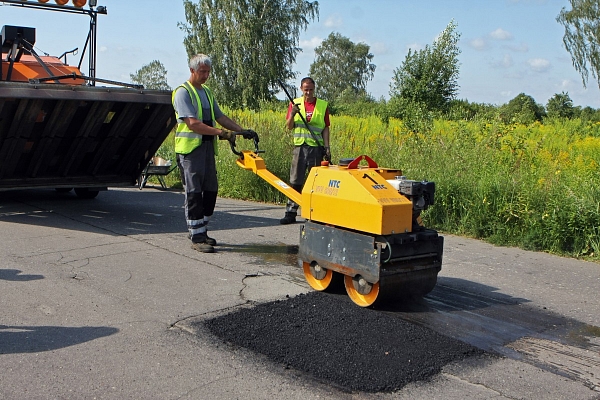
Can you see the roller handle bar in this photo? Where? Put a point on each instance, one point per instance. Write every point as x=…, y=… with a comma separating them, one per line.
x=247, y=135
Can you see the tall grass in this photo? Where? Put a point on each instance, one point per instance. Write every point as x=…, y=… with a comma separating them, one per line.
x=533, y=186
x=277, y=143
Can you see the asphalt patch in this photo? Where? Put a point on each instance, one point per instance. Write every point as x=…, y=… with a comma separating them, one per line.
x=335, y=341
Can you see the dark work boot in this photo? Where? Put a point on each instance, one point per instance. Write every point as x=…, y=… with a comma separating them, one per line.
x=203, y=247
x=202, y=239
x=200, y=242
x=210, y=241
x=290, y=218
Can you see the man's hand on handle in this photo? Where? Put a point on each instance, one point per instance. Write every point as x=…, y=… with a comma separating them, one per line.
x=295, y=110
x=327, y=155
x=249, y=134
x=227, y=135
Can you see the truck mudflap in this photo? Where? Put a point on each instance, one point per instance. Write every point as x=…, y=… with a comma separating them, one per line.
x=79, y=136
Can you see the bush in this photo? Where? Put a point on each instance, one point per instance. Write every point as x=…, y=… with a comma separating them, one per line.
x=521, y=110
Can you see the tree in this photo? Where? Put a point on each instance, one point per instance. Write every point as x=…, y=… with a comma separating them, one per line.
x=428, y=77
x=463, y=110
x=355, y=104
x=253, y=44
x=341, y=65
x=588, y=114
x=582, y=36
x=152, y=76
x=560, y=106
x=522, y=109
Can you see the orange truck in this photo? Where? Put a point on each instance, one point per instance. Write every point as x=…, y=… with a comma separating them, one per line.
x=59, y=129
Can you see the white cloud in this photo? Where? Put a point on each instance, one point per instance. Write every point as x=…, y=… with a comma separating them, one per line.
x=506, y=62
x=569, y=86
x=540, y=2
x=311, y=44
x=103, y=48
x=334, y=21
x=386, y=67
x=414, y=47
x=539, y=64
x=522, y=48
x=478, y=44
x=501, y=34
x=379, y=48
x=518, y=75
x=566, y=84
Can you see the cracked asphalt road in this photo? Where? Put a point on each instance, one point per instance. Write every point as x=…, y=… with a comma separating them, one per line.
x=105, y=298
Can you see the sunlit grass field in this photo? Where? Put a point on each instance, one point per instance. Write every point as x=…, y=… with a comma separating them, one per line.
x=532, y=186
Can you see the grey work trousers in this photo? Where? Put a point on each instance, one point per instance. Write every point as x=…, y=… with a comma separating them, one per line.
x=304, y=157
x=201, y=186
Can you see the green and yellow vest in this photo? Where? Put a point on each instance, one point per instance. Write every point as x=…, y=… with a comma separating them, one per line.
x=187, y=140
x=316, y=123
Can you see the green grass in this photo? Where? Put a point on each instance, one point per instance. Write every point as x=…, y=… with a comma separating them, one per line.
x=532, y=186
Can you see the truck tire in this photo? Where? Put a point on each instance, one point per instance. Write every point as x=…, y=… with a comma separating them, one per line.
x=85, y=193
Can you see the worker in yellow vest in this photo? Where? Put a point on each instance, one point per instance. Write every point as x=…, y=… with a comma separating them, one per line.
x=197, y=111
x=310, y=146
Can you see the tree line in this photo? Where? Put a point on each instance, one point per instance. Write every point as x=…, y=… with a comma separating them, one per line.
x=255, y=44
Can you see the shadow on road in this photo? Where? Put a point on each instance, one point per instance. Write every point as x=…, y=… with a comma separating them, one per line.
x=482, y=316
x=15, y=276
x=33, y=339
x=120, y=212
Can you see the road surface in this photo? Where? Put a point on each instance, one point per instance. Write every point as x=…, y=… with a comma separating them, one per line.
x=104, y=299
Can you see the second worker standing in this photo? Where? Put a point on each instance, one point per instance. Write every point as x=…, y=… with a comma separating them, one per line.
x=308, y=152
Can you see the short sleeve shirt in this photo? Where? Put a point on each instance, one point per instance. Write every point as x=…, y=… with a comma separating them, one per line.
x=185, y=108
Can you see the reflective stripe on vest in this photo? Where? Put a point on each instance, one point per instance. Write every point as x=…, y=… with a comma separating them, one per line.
x=187, y=140
x=316, y=123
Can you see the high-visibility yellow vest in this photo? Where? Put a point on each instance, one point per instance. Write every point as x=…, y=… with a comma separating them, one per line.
x=187, y=140
x=316, y=123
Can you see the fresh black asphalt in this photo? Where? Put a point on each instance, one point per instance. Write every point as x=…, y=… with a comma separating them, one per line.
x=335, y=341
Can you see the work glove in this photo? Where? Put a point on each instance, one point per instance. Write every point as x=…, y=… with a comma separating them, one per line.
x=249, y=134
x=227, y=135
x=295, y=110
x=327, y=155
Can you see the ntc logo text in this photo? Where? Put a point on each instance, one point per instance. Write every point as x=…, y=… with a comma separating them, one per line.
x=334, y=184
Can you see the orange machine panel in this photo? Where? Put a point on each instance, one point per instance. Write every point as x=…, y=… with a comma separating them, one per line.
x=29, y=68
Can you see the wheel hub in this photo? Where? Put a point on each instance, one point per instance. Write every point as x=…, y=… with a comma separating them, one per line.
x=361, y=285
x=317, y=271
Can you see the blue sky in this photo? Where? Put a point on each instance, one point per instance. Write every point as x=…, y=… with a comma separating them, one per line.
x=507, y=46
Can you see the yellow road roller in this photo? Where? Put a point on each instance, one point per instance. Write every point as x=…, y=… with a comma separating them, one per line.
x=363, y=226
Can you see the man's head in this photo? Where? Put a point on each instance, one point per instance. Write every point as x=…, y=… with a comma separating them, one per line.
x=307, y=86
x=200, y=66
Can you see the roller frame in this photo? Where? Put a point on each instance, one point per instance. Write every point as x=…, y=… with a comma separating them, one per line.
x=410, y=268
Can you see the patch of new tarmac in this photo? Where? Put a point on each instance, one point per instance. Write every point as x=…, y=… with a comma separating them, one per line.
x=337, y=342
